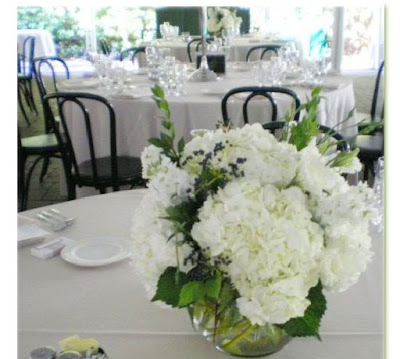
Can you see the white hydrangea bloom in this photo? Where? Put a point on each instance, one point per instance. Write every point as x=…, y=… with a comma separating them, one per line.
x=151, y=252
x=171, y=184
x=272, y=242
x=314, y=175
x=266, y=159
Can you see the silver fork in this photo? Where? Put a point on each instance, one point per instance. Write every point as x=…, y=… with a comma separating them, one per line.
x=55, y=224
x=55, y=219
x=58, y=214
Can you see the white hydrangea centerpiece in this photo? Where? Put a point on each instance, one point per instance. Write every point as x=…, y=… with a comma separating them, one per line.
x=220, y=18
x=274, y=221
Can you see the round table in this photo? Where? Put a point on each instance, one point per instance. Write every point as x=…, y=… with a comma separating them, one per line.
x=57, y=299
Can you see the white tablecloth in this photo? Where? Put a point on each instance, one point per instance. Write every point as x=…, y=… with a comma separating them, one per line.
x=200, y=108
x=44, y=43
x=57, y=299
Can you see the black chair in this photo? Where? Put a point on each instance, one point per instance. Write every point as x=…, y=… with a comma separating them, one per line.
x=197, y=43
x=25, y=75
x=342, y=144
x=254, y=91
x=371, y=145
x=47, y=70
x=263, y=49
x=43, y=147
x=104, y=47
x=363, y=118
x=100, y=172
x=131, y=52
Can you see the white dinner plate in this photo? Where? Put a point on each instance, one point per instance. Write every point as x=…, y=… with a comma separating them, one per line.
x=96, y=251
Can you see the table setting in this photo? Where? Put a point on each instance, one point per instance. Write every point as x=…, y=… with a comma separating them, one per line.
x=149, y=272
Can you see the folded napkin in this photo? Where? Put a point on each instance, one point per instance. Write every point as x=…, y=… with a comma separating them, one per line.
x=29, y=232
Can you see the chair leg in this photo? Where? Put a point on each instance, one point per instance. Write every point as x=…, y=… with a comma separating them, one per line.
x=45, y=167
x=30, y=93
x=21, y=182
x=24, y=202
x=22, y=107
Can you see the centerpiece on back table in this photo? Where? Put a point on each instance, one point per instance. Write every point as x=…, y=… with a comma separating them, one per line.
x=247, y=232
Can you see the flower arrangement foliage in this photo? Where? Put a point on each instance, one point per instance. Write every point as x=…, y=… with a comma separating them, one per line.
x=236, y=216
x=220, y=18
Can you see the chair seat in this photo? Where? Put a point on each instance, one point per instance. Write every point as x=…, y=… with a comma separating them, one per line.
x=40, y=143
x=370, y=146
x=129, y=170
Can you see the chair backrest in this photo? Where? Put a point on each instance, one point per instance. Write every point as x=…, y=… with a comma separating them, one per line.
x=47, y=70
x=25, y=58
x=342, y=144
x=86, y=107
x=131, y=52
x=254, y=91
x=376, y=96
x=197, y=43
x=104, y=48
x=263, y=49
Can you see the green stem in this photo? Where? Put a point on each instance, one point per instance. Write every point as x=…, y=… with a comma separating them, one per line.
x=215, y=322
x=230, y=346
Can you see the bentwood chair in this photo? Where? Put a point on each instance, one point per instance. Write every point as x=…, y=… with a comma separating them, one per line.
x=98, y=170
x=341, y=143
x=374, y=115
x=371, y=145
x=262, y=49
x=42, y=147
x=25, y=75
x=257, y=92
x=196, y=44
x=132, y=52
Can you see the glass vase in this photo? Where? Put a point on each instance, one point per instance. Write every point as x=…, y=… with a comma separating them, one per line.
x=232, y=333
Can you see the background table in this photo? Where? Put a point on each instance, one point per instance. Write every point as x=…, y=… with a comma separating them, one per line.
x=200, y=108
x=57, y=299
x=44, y=43
x=238, y=51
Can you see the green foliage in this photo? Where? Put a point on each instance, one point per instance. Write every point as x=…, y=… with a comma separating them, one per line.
x=68, y=36
x=169, y=286
x=166, y=140
x=194, y=291
x=344, y=159
x=308, y=325
x=307, y=128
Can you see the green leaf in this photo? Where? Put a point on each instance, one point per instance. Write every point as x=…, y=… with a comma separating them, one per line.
x=158, y=91
x=212, y=286
x=169, y=286
x=157, y=142
x=227, y=294
x=344, y=159
x=308, y=325
x=303, y=132
x=191, y=292
x=181, y=145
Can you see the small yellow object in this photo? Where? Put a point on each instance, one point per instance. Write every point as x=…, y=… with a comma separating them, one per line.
x=80, y=345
